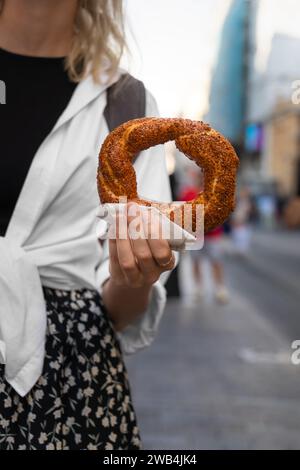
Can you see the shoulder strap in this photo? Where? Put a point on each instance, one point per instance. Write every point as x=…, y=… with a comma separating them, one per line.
x=126, y=99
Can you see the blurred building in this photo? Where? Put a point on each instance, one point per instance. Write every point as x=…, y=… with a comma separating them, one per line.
x=272, y=132
x=281, y=152
x=275, y=80
x=252, y=106
x=227, y=103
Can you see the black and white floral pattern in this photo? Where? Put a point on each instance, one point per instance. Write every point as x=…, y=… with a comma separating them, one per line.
x=82, y=400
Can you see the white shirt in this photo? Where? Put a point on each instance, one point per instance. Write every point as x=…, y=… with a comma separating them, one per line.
x=51, y=238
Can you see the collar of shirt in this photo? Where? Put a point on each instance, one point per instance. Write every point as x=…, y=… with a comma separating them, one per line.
x=33, y=253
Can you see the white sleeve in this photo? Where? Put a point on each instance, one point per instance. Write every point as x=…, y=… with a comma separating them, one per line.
x=153, y=183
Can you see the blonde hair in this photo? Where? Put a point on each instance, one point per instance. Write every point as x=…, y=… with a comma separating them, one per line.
x=99, y=39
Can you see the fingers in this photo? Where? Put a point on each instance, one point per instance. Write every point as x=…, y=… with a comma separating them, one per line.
x=138, y=254
x=160, y=248
x=114, y=266
x=140, y=245
x=126, y=256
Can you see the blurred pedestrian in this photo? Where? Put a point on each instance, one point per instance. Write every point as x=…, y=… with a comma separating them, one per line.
x=240, y=223
x=267, y=210
x=212, y=249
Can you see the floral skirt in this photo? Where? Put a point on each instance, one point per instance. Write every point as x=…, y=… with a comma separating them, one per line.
x=82, y=400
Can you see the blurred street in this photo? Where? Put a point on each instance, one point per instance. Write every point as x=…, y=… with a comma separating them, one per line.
x=221, y=377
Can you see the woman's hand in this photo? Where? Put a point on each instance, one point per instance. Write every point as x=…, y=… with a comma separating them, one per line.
x=138, y=256
x=136, y=260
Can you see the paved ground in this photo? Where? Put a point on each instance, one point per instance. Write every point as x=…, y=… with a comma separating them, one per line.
x=220, y=377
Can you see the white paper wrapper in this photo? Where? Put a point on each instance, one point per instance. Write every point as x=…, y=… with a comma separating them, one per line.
x=178, y=238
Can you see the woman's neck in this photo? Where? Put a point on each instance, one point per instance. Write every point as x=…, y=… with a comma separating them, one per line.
x=42, y=28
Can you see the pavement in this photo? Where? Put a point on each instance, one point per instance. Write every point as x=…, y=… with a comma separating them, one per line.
x=221, y=376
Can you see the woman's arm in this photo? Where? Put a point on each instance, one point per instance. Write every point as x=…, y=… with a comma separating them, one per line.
x=124, y=303
x=136, y=263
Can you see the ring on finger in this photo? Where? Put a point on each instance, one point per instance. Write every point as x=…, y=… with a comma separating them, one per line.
x=167, y=263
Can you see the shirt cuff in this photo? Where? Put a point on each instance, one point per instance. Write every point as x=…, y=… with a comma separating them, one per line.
x=141, y=333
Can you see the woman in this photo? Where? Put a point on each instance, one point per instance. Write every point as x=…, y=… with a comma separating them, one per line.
x=66, y=387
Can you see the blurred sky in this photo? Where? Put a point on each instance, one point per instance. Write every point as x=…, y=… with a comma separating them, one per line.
x=173, y=46
x=275, y=16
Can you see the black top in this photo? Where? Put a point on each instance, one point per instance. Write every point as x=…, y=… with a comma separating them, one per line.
x=37, y=91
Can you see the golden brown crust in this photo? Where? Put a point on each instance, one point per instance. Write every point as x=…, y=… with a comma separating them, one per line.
x=205, y=146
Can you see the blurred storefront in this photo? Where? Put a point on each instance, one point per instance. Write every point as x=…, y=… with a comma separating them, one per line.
x=281, y=153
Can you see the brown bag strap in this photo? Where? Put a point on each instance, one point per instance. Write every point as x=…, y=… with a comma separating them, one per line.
x=126, y=99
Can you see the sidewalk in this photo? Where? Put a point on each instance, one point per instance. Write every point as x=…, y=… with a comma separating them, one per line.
x=220, y=377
